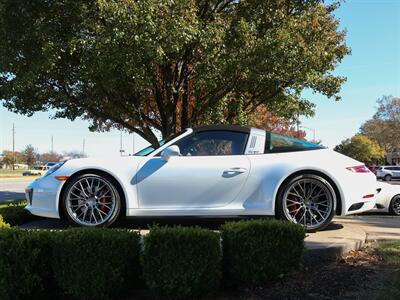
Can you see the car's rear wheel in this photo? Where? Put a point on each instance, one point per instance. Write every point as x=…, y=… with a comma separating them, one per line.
x=394, y=207
x=308, y=200
x=91, y=200
x=387, y=177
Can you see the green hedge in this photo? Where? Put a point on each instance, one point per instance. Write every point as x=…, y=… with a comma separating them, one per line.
x=14, y=213
x=176, y=262
x=182, y=262
x=95, y=263
x=258, y=251
x=25, y=272
x=3, y=224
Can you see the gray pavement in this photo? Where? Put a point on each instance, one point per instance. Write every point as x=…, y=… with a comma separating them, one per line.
x=12, y=189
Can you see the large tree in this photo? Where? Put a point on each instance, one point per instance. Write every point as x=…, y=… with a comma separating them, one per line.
x=362, y=148
x=384, y=127
x=166, y=65
x=30, y=154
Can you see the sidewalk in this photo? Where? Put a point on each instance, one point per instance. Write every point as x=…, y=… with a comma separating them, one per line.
x=350, y=233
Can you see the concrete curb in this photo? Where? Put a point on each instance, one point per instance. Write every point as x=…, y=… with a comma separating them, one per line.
x=330, y=244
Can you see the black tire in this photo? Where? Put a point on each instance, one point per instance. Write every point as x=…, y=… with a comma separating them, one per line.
x=387, y=177
x=114, y=215
x=280, y=201
x=394, y=207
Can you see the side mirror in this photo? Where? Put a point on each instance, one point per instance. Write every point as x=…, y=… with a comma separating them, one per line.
x=170, y=151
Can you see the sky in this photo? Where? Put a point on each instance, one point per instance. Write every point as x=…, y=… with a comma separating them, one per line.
x=372, y=70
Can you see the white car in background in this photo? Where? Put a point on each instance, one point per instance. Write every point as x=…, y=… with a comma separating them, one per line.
x=388, y=198
x=387, y=173
x=209, y=171
x=35, y=171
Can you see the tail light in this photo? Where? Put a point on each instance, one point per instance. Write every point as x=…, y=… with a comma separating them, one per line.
x=359, y=169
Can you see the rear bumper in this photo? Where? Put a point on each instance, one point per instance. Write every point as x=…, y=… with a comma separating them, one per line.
x=358, y=192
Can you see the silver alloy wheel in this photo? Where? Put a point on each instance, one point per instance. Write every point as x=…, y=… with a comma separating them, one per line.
x=309, y=202
x=91, y=201
x=396, y=205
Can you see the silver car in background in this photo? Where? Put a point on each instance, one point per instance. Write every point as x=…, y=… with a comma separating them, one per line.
x=387, y=173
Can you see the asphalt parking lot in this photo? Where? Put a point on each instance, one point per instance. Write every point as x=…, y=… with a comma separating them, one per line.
x=12, y=189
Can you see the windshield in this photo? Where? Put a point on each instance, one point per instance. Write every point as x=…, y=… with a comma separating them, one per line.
x=150, y=149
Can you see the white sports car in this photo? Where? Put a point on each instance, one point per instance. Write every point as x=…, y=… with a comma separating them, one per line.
x=209, y=171
x=388, y=198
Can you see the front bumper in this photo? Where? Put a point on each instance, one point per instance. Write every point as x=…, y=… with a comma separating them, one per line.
x=42, y=195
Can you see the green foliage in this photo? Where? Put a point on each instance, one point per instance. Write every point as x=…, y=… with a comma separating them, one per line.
x=384, y=127
x=3, y=224
x=256, y=252
x=362, y=148
x=30, y=154
x=182, y=262
x=167, y=64
x=95, y=263
x=24, y=264
x=15, y=214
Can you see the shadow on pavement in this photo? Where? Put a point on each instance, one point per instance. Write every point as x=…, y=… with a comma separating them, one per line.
x=6, y=196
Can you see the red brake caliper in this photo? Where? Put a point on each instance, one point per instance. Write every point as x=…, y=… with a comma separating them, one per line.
x=103, y=208
x=293, y=207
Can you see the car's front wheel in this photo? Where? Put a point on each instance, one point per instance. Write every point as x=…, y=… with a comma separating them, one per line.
x=91, y=200
x=308, y=200
x=394, y=207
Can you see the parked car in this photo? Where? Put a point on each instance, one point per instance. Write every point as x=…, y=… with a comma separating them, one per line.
x=388, y=173
x=209, y=171
x=51, y=164
x=388, y=198
x=35, y=171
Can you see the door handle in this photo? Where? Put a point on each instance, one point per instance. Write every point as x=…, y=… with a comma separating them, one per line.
x=236, y=170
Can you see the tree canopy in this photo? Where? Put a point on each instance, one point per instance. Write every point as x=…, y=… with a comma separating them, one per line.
x=362, y=148
x=166, y=65
x=384, y=127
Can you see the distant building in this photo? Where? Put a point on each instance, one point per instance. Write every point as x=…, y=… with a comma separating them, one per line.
x=393, y=158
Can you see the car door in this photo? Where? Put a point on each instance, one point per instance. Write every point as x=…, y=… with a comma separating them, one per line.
x=210, y=173
x=396, y=172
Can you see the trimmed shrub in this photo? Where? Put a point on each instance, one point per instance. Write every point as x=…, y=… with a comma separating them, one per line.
x=24, y=267
x=181, y=262
x=3, y=224
x=95, y=263
x=14, y=213
x=258, y=251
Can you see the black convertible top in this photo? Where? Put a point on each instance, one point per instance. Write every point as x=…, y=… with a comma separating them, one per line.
x=237, y=128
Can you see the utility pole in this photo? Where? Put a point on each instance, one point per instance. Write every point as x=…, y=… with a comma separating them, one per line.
x=13, y=137
x=312, y=129
x=83, y=147
x=52, y=145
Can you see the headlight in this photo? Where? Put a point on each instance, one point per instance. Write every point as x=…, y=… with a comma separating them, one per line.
x=54, y=168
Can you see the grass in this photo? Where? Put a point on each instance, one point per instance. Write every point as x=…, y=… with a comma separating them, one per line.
x=388, y=283
x=5, y=173
x=14, y=213
x=14, y=174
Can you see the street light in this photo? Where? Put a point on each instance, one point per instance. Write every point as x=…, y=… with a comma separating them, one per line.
x=312, y=129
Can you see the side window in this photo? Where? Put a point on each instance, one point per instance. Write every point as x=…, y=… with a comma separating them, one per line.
x=281, y=143
x=209, y=143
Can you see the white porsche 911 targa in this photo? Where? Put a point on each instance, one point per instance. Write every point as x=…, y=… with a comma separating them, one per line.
x=209, y=171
